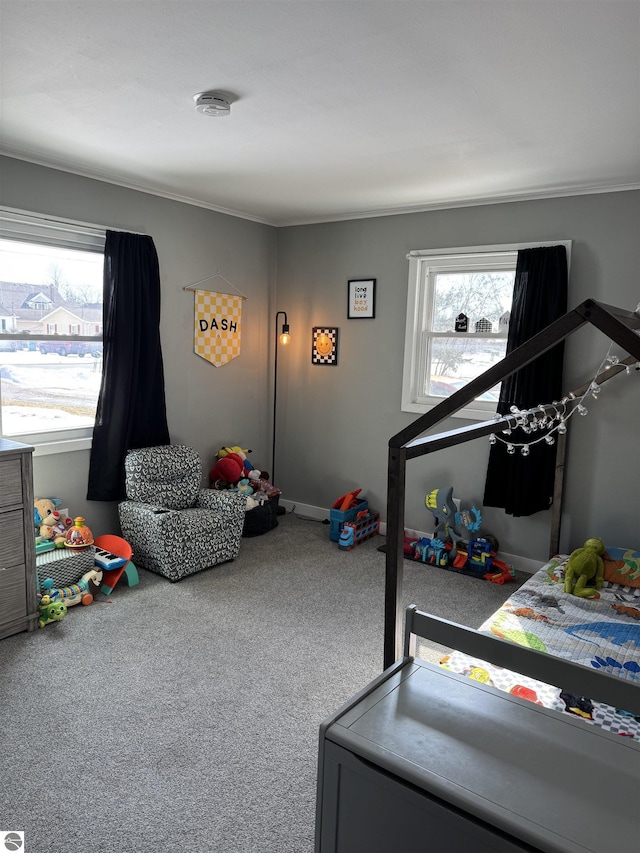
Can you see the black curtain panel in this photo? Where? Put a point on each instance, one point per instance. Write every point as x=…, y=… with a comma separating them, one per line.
x=523, y=485
x=131, y=406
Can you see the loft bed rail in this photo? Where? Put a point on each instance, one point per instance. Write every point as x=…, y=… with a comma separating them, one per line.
x=618, y=324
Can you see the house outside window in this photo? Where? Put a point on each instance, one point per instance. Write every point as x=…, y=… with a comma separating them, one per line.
x=458, y=312
x=51, y=276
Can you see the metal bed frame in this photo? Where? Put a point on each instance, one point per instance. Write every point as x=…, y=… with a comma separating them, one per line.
x=619, y=325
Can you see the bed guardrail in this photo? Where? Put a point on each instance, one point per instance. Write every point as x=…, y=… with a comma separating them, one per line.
x=574, y=677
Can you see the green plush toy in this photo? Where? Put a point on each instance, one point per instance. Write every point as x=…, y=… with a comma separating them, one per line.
x=585, y=566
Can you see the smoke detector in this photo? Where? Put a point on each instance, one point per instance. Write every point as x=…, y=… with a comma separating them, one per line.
x=212, y=104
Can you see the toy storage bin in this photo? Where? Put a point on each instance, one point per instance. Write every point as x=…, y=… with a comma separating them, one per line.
x=64, y=566
x=261, y=519
x=337, y=518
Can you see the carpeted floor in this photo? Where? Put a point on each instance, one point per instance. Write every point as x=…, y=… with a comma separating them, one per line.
x=185, y=716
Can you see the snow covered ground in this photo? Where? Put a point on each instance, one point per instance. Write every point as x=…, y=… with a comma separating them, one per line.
x=47, y=392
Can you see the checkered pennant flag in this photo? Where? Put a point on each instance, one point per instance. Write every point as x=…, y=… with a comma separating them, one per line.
x=217, y=330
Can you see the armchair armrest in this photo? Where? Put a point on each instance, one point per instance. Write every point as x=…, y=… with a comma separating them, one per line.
x=222, y=501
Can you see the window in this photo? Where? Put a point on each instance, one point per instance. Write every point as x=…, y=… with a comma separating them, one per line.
x=51, y=343
x=458, y=311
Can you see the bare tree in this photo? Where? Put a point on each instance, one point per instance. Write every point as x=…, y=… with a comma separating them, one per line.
x=78, y=294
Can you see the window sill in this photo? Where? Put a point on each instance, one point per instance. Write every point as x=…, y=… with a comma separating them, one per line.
x=48, y=448
x=469, y=413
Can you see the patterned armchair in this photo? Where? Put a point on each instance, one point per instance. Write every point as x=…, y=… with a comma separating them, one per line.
x=175, y=527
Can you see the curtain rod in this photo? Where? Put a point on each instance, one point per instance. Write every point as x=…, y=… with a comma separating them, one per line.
x=13, y=214
x=210, y=278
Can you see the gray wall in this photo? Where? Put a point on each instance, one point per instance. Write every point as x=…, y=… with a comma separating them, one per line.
x=336, y=421
x=207, y=407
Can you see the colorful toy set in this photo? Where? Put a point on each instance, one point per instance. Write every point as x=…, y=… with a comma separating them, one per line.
x=366, y=525
x=351, y=521
x=442, y=549
x=82, y=592
x=72, y=568
x=345, y=509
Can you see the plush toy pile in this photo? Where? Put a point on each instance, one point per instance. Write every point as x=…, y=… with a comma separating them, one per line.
x=233, y=471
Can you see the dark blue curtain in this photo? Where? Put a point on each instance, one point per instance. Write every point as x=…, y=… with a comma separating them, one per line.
x=131, y=406
x=523, y=485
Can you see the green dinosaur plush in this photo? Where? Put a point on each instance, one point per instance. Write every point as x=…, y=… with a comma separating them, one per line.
x=585, y=566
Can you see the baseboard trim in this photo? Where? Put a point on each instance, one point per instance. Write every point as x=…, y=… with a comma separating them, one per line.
x=318, y=513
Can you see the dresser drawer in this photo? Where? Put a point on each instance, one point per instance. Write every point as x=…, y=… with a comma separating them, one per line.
x=11, y=479
x=12, y=539
x=13, y=597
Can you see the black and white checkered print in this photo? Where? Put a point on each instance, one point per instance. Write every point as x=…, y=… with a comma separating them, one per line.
x=332, y=357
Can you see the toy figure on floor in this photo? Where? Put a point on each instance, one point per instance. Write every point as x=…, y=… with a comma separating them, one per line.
x=448, y=517
x=479, y=559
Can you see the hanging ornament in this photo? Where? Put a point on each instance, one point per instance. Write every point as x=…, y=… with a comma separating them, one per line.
x=541, y=418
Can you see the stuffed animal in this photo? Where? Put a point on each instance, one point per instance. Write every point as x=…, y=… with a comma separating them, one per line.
x=229, y=469
x=50, y=523
x=244, y=487
x=225, y=451
x=585, y=566
x=238, y=451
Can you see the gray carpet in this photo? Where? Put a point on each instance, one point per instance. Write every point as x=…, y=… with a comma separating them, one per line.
x=185, y=716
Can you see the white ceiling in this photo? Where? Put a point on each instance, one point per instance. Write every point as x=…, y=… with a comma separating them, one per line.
x=340, y=107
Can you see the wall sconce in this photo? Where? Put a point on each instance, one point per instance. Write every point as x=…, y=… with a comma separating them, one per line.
x=283, y=338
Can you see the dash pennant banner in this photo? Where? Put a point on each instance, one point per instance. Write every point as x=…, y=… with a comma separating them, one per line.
x=217, y=329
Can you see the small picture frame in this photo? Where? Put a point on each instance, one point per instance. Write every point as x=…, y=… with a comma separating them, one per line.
x=361, y=303
x=324, y=345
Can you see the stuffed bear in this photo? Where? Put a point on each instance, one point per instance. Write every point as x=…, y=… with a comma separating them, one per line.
x=50, y=524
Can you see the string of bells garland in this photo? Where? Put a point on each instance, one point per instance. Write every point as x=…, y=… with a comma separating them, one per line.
x=542, y=419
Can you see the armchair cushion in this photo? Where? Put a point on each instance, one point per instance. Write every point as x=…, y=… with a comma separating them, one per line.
x=169, y=475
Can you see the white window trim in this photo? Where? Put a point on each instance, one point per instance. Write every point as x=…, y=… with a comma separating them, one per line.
x=81, y=236
x=413, y=348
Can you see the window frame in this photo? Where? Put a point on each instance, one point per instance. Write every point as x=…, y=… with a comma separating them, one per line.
x=420, y=301
x=26, y=227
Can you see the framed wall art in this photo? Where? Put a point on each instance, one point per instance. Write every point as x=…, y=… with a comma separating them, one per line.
x=324, y=345
x=361, y=298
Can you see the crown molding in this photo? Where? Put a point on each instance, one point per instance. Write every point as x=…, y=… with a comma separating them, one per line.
x=399, y=210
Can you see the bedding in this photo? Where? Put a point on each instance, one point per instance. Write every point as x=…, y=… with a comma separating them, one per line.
x=601, y=632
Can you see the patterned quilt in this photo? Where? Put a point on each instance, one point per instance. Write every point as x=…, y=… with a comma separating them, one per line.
x=601, y=632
